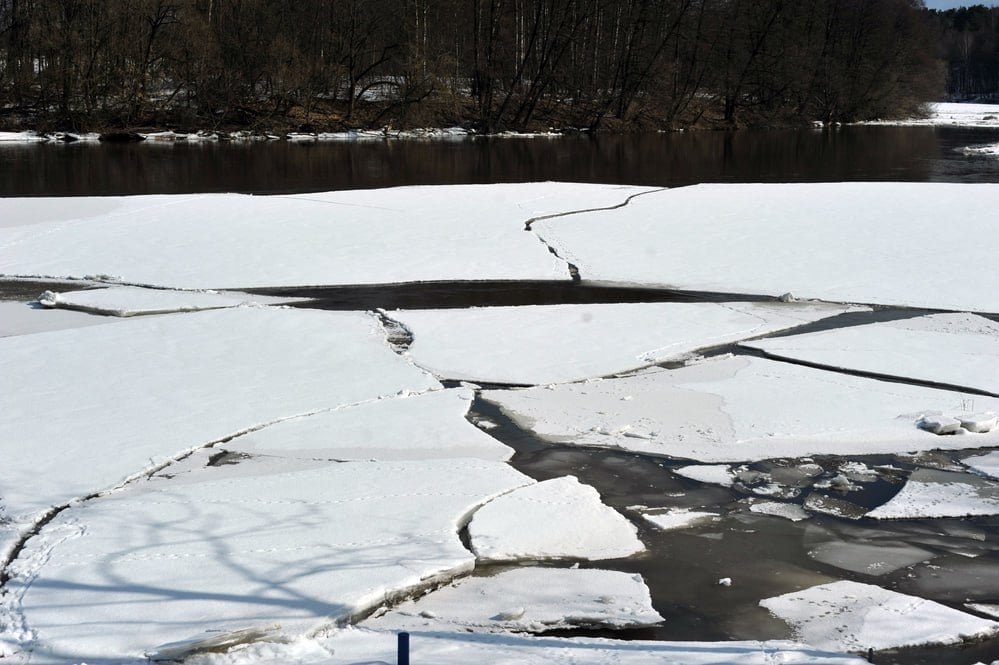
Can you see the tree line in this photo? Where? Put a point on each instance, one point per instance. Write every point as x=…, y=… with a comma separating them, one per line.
x=490, y=64
x=969, y=39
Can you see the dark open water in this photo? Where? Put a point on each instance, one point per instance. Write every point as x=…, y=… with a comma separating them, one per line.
x=835, y=154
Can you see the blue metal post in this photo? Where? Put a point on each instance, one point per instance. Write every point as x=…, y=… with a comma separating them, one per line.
x=403, y=648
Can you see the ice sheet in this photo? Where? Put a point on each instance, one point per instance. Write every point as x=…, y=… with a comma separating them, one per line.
x=931, y=493
x=426, y=426
x=19, y=318
x=230, y=548
x=955, y=349
x=849, y=616
x=132, y=301
x=559, y=518
x=987, y=464
x=551, y=344
x=528, y=600
x=840, y=242
x=212, y=241
x=740, y=409
x=97, y=405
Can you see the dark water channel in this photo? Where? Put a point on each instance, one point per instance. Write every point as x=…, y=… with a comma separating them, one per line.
x=673, y=159
x=764, y=555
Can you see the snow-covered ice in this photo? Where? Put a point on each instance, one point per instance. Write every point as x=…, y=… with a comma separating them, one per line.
x=535, y=345
x=789, y=511
x=567, y=520
x=528, y=600
x=951, y=114
x=230, y=548
x=731, y=409
x=214, y=241
x=132, y=301
x=716, y=474
x=932, y=493
x=955, y=349
x=97, y=405
x=987, y=464
x=850, y=616
x=669, y=519
x=457, y=648
x=425, y=426
x=859, y=242
x=19, y=318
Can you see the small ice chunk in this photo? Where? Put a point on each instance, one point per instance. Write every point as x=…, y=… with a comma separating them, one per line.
x=939, y=424
x=677, y=518
x=979, y=422
x=715, y=474
x=820, y=503
x=850, y=616
x=789, y=511
x=558, y=518
x=725, y=581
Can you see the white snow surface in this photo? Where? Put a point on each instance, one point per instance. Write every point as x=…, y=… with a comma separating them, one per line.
x=528, y=600
x=566, y=520
x=357, y=646
x=850, y=616
x=95, y=406
x=534, y=345
x=716, y=474
x=19, y=318
x=930, y=493
x=132, y=301
x=212, y=241
x=839, y=242
x=241, y=547
x=732, y=409
x=956, y=349
x=987, y=464
x=424, y=426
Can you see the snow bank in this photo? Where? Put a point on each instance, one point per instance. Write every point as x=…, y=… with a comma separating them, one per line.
x=560, y=343
x=559, y=518
x=97, y=405
x=21, y=137
x=242, y=547
x=731, y=409
x=956, y=349
x=849, y=616
x=840, y=242
x=132, y=301
x=929, y=493
x=405, y=234
x=427, y=426
x=528, y=600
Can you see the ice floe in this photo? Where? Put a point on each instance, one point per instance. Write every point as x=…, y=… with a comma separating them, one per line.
x=989, y=150
x=850, y=616
x=840, y=242
x=730, y=409
x=789, y=511
x=668, y=519
x=567, y=520
x=535, y=345
x=716, y=474
x=212, y=241
x=132, y=301
x=425, y=426
x=956, y=349
x=932, y=493
x=97, y=405
x=227, y=549
x=871, y=558
x=987, y=464
x=528, y=600
x=19, y=318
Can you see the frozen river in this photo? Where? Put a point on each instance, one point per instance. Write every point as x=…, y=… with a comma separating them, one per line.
x=753, y=431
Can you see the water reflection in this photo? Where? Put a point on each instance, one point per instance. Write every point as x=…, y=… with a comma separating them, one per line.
x=841, y=154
